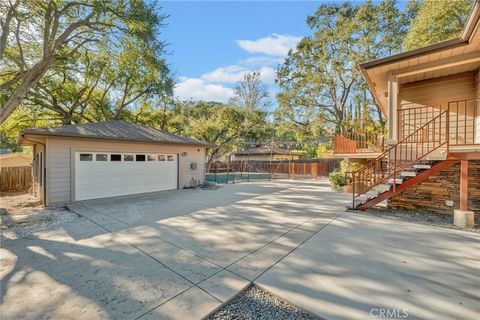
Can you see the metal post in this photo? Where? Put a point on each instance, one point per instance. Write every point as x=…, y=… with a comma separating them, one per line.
x=395, y=170
x=353, y=191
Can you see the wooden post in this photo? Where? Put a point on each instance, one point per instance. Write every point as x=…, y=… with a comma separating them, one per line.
x=464, y=185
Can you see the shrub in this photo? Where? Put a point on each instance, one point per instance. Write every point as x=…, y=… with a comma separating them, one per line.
x=337, y=179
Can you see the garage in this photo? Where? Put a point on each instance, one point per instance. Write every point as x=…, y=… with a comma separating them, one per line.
x=111, y=158
x=102, y=174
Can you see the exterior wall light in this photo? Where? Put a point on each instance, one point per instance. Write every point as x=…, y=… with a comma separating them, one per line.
x=184, y=154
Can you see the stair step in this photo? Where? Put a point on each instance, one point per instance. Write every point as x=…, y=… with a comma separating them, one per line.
x=397, y=181
x=441, y=158
x=382, y=188
x=382, y=204
x=422, y=166
x=371, y=194
x=408, y=174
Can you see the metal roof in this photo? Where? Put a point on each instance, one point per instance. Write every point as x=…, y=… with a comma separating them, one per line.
x=113, y=130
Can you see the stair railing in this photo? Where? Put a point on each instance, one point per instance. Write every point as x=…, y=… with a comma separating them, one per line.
x=426, y=139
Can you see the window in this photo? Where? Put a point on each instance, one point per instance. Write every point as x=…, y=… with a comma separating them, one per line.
x=101, y=157
x=161, y=157
x=170, y=157
x=140, y=157
x=115, y=157
x=128, y=157
x=151, y=157
x=86, y=157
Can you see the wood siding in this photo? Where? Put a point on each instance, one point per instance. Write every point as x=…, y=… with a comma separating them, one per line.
x=437, y=91
x=448, y=91
x=60, y=162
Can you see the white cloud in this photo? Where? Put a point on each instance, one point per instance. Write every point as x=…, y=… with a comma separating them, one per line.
x=235, y=73
x=267, y=75
x=274, y=45
x=198, y=89
x=218, y=84
x=262, y=61
x=228, y=74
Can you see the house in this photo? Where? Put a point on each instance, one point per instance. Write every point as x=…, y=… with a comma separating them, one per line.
x=265, y=153
x=112, y=158
x=431, y=159
x=16, y=159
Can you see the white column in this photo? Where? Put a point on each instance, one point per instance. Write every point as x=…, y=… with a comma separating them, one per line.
x=392, y=109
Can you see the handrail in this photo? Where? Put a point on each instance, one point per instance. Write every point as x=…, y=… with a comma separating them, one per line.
x=375, y=167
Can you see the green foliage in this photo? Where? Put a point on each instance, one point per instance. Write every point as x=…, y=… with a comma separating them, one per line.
x=91, y=60
x=22, y=118
x=354, y=166
x=337, y=179
x=322, y=89
x=221, y=125
x=437, y=21
x=323, y=149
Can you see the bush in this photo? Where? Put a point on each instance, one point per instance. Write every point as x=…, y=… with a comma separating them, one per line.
x=337, y=179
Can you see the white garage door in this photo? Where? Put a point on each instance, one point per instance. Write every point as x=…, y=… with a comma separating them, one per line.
x=105, y=174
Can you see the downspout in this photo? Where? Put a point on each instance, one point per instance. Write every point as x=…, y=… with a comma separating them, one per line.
x=44, y=169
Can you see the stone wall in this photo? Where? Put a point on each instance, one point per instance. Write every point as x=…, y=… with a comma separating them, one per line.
x=431, y=194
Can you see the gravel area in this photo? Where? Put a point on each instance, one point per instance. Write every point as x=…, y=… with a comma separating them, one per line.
x=434, y=219
x=22, y=214
x=255, y=303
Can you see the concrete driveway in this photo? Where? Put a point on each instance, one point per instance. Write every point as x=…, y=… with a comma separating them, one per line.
x=364, y=267
x=181, y=254
x=172, y=255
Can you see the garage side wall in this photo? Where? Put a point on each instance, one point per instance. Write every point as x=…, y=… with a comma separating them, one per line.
x=61, y=162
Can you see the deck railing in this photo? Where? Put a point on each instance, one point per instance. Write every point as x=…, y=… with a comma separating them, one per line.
x=464, y=120
x=352, y=142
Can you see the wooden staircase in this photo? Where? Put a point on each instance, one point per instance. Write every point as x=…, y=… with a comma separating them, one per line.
x=418, y=156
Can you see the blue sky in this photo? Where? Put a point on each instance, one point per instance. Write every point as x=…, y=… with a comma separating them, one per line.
x=213, y=44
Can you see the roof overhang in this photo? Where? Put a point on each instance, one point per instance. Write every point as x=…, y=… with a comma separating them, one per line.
x=416, y=64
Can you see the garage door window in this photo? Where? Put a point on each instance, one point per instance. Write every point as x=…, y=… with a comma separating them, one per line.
x=86, y=157
x=101, y=157
x=140, y=157
x=151, y=157
x=170, y=157
x=128, y=157
x=161, y=157
x=115, y=157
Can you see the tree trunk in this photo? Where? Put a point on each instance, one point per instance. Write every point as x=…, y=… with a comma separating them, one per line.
x=31, y=78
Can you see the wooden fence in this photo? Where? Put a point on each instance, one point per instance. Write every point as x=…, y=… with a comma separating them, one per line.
x=15, y=178
x=290, y=169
